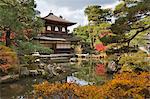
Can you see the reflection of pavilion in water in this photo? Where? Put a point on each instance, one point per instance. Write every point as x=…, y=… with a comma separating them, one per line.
x=87, y=73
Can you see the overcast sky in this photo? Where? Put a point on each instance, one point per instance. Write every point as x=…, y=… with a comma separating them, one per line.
x=72, y=10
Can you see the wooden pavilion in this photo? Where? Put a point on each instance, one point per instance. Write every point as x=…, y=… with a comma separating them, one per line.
x=55, y=34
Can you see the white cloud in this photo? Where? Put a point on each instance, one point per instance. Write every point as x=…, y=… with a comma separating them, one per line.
x=73, y=15
x=112, y=6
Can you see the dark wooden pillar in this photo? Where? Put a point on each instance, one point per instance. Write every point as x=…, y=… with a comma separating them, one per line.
x=8, y=33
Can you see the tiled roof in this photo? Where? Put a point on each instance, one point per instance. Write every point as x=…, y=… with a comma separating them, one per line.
x=52, y=17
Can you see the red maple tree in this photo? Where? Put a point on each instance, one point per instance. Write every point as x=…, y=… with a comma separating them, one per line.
x=100, y=47
x=100, y=69
x=104, y=34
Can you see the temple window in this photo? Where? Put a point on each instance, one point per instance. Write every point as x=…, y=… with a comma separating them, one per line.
x=63, y=29
x=49, y=28
x=63, y=46
x=56, y=28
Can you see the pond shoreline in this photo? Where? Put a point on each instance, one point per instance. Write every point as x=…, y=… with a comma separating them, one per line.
x=15, y=77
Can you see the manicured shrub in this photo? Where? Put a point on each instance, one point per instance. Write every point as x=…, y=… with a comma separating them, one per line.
x=125, y=85
x=27, y=48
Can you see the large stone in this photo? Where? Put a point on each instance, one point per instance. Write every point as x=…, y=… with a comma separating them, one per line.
x=59, y=70
x=41, y=65
x=33, y=72
x=51, y=70
x=9, y=78
x=24, y=71
x=41, y=71
x=112, y=66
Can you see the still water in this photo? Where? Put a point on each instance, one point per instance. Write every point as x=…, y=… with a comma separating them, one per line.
x=89, y=72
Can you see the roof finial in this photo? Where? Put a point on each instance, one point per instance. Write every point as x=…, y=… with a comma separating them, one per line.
x=50, y=12
x=61, y=16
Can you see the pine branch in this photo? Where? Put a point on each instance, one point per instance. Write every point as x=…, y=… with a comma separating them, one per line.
x=7, y=3
x=138, y=32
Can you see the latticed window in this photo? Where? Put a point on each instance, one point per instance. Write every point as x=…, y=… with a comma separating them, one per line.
x=63, y=46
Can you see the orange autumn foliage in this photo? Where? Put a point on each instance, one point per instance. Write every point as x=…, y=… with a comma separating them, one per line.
x=123, y=86
x=8, y=58
x=128, y=85
x=47, y=89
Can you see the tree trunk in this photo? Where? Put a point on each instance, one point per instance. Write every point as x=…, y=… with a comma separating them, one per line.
x=128, y=43
x=8, y=41
x=92, y=43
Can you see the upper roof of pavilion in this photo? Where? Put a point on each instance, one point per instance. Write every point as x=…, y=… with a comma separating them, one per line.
x=53, y=18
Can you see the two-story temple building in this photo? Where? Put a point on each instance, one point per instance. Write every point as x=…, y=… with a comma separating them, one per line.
x=55, y=34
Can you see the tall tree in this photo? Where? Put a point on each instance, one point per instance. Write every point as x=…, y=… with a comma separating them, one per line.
x=96, y=14
x=90, y=34
x=18, y=16
x=133, y=18
x=98, y=23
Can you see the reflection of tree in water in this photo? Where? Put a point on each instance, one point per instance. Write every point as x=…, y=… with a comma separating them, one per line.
x=87, y=72
x=100, y=69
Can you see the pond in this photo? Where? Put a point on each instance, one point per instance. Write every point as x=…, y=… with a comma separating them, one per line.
x=89, y=72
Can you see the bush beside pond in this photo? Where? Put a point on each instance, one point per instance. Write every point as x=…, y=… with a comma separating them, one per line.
x=123, y=86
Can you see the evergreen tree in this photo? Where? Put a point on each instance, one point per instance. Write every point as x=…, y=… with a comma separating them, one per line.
x=132, y=19
x=18, y=16
x=98, y=23
x=97, y=15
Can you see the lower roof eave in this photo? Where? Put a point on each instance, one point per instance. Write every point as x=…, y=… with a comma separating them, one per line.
x=49, y=39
